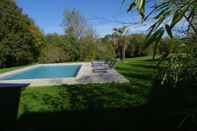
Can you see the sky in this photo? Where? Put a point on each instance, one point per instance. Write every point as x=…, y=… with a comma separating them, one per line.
x=102, y=15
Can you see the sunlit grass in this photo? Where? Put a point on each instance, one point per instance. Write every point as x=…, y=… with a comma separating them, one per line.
x=4, y=70
x=94, y=97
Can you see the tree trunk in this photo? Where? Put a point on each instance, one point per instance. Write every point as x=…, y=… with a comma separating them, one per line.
x=122, y=56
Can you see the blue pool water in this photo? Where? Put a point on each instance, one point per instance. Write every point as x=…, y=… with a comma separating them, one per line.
x=46, y=72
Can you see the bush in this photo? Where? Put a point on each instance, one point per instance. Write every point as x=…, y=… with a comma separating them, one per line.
x=179, y=70
x=136, y=46
x=87, y=49
x=54, y=53
x=135, y=50
x=174, y=87
x=105, y=50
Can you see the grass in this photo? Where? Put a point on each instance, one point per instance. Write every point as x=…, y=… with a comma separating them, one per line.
x=94, y=97
x=4, y=70
x=134, y=106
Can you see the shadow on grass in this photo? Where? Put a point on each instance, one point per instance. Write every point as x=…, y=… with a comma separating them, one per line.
x=113, y=107
x=139, y=76
x=147, y=66
x=9, y=103
x=90, y=110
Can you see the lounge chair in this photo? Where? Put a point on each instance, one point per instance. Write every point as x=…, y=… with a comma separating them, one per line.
x=98, y=63
x=99, y=66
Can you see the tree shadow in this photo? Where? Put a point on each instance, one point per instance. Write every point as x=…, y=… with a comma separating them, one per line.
x=147, y=66
x=140, y=76
x=159, y=113
x=178, y=104
x=9, y=103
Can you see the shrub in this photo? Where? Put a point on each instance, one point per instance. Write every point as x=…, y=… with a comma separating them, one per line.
x=136, y=46
x=105, y=50
x=174, y=87
x=87, y=49
x=54, y=53
x=72, y=47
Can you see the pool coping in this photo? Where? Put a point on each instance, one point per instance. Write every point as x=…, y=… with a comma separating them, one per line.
x=85, y=70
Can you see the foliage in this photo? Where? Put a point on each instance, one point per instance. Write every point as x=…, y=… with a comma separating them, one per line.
x=136, y=46
x=69, y=48
x=76, y=25
x=20, y=39
x=180, y=69
x=120, y=41
x=59, y=49
x=105, y=50
x=54, y=53
x=87, y=49
x=55, y=39
x=72, y=46
x=163, y=11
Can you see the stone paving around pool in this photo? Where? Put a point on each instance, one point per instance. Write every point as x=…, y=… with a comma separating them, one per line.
x=84, y=76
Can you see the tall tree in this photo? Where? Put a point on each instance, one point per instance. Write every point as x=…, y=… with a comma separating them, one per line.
x=20, y=39
x=75, y=24
x=55, y=39
x=121, y=40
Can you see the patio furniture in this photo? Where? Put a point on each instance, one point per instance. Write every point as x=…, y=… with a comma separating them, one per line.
x=99, y=67
x=111, y=63
x=98, y=63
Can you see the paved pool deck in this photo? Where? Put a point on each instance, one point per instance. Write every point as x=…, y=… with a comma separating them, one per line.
x=85, y=76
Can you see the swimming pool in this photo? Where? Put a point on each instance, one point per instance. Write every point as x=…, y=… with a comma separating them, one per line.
x=45, y=72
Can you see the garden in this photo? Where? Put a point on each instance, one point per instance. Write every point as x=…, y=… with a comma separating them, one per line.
x=160, y=65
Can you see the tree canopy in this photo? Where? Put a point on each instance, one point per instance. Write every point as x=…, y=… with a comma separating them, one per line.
x=75, y=24
x=20, y=39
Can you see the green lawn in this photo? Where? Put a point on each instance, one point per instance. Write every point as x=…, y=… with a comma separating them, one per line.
x=93, y=97
x=4, y=70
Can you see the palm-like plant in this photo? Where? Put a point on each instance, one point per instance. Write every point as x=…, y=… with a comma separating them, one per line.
x=120, y=40
x=180, y=69
x=166, y=14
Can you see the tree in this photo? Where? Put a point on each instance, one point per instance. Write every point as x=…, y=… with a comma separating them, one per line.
x=20, y=39
x=55, y=39
x=54, y=53
x=76, y=25
x=136, y=45
x=87, y=49
x=105, y=48
x=120, y=40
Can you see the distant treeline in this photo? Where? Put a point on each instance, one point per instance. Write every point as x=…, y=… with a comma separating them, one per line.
x=22, y=42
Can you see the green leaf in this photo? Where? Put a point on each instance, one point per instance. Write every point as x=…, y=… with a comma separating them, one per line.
x=152, y=28
x=169, y=30
x=159, y=35
x=178, y=15
x=140, y=5
x=131, y=6
x=155, y=37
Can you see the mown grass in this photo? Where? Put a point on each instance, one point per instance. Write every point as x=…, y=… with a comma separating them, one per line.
x=94, y=97
x=4, y=70
x=135, y=106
